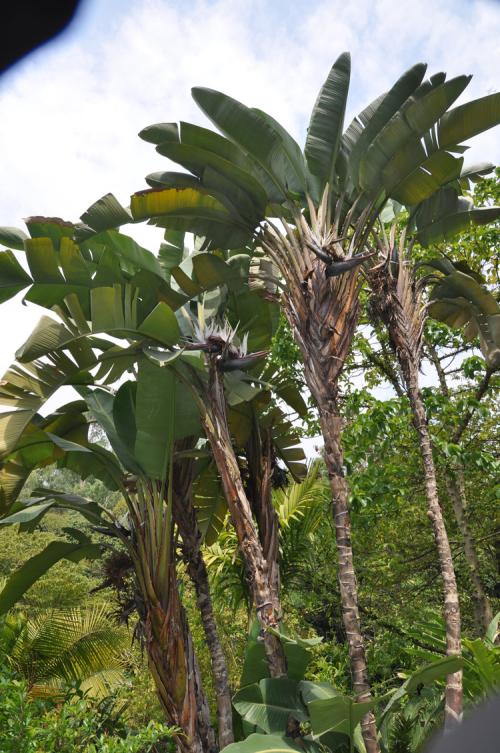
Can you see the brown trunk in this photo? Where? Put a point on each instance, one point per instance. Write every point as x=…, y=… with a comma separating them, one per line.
x=396, y=300
x=185, y=518
x=163, y=620
x=322, y=310
x=176, y=674
x=453, y=695
x=483, y=613
x=331, y=424
x=455, y=485
x=259, y=454
x=216, y=429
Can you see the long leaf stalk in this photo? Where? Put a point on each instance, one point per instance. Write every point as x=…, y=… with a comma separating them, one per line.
x=397, y=302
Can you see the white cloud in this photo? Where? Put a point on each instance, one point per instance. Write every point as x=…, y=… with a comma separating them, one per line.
x=71, y=111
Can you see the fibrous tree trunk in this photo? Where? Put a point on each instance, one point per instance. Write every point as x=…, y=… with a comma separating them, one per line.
x=454, y=694
x=396, y=301
x=322, y=310
x=259, y=453
x=455, y=485
x=331, y=427
x=175, y=670
x=214, y=420
x=185, y=518
x=483, y=613
x=164, y=624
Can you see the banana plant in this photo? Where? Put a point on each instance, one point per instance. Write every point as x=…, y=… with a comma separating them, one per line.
x=142, y=447
x=160, y=328
x=135, y=421
x=141, y=303
x=285, y=714
x=309, y=215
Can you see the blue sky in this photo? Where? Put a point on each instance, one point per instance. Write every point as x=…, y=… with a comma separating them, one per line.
x=71, y=111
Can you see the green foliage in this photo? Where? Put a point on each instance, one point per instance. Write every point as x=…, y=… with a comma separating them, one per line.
x=167, y=311
x=56, y=648
x=318, y=713
x=79, y=725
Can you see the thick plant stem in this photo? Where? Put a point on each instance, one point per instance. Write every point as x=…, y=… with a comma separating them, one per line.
x=323, y=314
x=185, y=518
x=331, y=424
x=216, y=428
x=164, y=624
x=259, y=491
x=176, y=674
x=483, y=613
x=453, y=693
x=455, y=486
x=396, y=300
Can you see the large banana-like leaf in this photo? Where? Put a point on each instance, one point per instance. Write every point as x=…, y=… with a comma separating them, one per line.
x=200, y=273
x=406, y=127
x=198, y=160
x=366, y=126
x=44, y=500
x=145, y=417
x=339, y=714
x=256, y=316
x=445, y=214
x=160, y=132
x=194, y=135
x=256, y=135
x=12, y=237
x=128, y=251
x=422, y=176
x=459, y=300
x=257, y=743
x=21, y=580
x=191, y=210
x=270, y=704
x=327, y=120
x=164, y=412
x=113, y=312
x=101, y=404
x=13, y=278
x=60, y=267
x=290, y=147
x=35, y=447
x=106, y=214
x=26, y=387
x=255, y=667
x=47, y=265
x=468, y=120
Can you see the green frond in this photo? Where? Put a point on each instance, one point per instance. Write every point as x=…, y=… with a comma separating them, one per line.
x=70, y=646
x=302, y=501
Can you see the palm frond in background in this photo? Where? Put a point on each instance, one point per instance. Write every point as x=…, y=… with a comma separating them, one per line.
x=61, y=648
